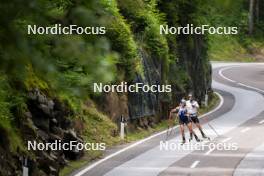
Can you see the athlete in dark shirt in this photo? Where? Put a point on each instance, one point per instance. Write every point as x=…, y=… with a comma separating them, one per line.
x=183, y=118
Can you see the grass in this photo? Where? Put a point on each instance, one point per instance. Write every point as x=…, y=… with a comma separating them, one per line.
x=132, y=136
x=211, y=105
x=88, y=156
x=228, y=48
x=8, y=132
x=140, y=134
x=96, y=128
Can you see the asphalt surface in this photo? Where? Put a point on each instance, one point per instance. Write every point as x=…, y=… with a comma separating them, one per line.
x=236, y=129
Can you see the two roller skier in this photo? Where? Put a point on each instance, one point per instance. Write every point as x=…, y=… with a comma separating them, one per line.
x=187, y=113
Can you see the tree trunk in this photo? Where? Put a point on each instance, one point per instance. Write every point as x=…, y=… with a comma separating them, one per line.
x=257, y=11
x=251, y=17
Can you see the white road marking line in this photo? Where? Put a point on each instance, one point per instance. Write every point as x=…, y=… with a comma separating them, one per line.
x=245, y=130
x=143, y=140
x=262, y=121
x=150, y=137
x=220, y=72
x=257, y=89
x=194, y=164
x=218, y=107
x=209, y=151
x=226, y=139
x=118, y=152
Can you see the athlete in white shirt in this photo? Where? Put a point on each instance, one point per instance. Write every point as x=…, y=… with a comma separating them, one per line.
x=192, y=108
x=182, y=114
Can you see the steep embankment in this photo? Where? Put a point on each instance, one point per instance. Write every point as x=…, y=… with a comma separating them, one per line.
x=46, y=80
x=248, y=44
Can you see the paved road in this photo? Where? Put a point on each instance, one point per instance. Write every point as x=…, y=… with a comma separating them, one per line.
x=238, y=125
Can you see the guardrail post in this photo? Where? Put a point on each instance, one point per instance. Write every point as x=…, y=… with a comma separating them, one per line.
x=122, y=127
x=206, y=99
x=25, y=167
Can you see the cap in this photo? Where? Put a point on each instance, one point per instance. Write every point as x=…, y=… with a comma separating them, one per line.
x=183, y=101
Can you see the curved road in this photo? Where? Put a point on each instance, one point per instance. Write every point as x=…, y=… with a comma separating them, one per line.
x=236, y=128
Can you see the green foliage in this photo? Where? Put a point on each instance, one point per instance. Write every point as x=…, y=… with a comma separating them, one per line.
x=98, y=127
x=56, y=64
x=32, y=81
x=4, y=104
x=122, y=41
x=65, y=66
x=62, y=61
x=6, y=118
x=181, y=78
x=226, y=48
x=238, y=47
x=145, y=20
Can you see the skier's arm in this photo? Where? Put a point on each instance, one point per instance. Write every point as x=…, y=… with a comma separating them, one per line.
x=172, y=111
x=170, y=115
x=170, y=120
x=175, y=110
x=195, y=104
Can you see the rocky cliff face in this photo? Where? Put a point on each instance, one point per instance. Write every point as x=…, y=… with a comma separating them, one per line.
x=45, y=121
x=193, y=55
x=146, y=104
x=146, y=107
x=179, y=60
x=191, y=58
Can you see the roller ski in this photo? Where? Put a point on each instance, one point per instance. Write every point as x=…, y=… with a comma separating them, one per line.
x=207, y=138
x=195, y=136
x=183, y=141
x=204, y=136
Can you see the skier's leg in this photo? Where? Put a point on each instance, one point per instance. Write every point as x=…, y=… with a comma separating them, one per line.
x=198, y=125
x=182, y=132
x=191, y=134
x=189, y=125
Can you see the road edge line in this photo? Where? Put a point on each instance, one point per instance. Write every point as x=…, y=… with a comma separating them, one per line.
x=83, y=171
x=194, y=164
x=220, y=72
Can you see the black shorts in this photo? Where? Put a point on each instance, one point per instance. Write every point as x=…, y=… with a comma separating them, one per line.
x=195, y=119
x=184, y=121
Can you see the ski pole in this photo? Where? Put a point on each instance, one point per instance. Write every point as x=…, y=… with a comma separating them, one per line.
x=169, y=131
x=213, y=129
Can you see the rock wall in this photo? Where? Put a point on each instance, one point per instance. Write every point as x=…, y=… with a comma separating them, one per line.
x=46, y=121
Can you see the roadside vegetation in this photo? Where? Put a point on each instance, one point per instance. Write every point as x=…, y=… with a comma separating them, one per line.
x=46, y=81
x=248, y=44
x=133, y=136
